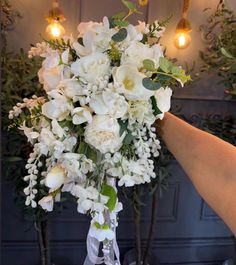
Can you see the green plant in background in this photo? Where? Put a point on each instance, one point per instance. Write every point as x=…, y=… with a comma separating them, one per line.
x=19, y=80
x=139, y=196
x=220, y=55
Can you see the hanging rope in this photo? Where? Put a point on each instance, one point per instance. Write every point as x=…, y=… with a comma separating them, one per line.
x=185, y=8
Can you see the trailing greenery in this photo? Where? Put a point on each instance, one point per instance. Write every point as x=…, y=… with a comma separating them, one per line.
x=220, y=55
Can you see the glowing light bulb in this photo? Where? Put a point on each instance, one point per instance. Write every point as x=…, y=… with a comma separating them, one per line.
x=55, y=29
x=182, y=40
x=143, y=2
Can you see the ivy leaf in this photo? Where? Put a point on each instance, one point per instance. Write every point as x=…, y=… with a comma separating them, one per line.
x=120, y=35
x=110, y=192
x=155, y=109
x=165, y=65
x=150, y=85
x=149, y=65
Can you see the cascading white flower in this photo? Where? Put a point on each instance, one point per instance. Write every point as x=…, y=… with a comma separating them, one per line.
x=96, y=90
x=140, y=111
x=109, y=102
x=103, y=133
x=91, y=67
x=128, y=80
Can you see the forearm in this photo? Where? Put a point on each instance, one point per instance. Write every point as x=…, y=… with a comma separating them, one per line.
x=208, y=161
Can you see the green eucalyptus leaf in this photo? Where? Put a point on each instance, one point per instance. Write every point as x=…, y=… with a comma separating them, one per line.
x=150, y=85
x=165, y=65
x=149, y=65
x=110, y=192
x=120, y=35
x=130, y=5
x=176, y=70
x=119, y=16
x=120, y=23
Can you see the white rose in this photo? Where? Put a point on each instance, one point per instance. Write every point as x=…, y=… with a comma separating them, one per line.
x=129, y=79
x=81, y=115
x=137, y=52
x=109, y=102
x=91, y=67
x=163, y=99
x=55, y=177
x=103, y=133
x=47, y=203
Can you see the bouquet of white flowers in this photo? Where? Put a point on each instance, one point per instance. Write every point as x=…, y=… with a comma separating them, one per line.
x=94, y=127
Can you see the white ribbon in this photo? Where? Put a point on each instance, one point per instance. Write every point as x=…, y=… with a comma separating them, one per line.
x=110, y=249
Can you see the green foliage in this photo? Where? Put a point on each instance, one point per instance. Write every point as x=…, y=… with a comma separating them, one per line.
x=110, y=192
x=88, y=151
x=119, y=19
x=220, y=55
x=150, y=84
x=120, y=35
x=166, y=74
x=149, y=65
x=155, y=109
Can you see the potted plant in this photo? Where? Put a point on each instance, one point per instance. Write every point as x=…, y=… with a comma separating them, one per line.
x=220, y=53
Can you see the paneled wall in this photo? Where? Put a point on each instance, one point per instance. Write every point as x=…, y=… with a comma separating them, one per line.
x=187, y=231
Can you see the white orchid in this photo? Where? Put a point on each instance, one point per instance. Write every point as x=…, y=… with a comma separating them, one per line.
x=81, y=115
x=47, y=203
x=58, y=108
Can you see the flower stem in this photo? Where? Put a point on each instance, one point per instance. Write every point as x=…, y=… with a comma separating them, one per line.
x=137, y=230
x=151, y=228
